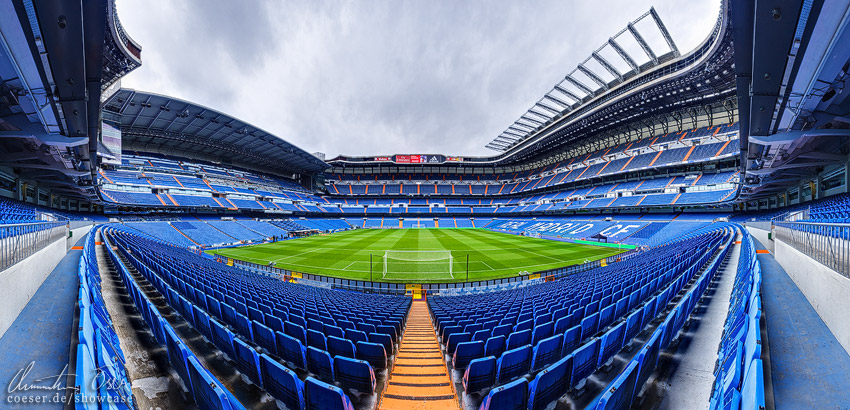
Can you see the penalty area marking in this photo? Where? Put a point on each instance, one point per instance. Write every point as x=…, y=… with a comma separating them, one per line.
x=349, y=265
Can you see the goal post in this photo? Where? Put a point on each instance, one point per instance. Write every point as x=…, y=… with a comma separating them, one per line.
x=413, y=265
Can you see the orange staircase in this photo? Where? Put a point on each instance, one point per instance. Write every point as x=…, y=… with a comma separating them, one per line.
x=420, y=379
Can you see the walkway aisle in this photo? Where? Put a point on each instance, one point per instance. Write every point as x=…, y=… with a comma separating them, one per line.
x=419, y=379
x=809, y=368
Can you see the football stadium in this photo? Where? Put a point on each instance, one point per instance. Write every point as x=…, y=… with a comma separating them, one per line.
x=666, y=227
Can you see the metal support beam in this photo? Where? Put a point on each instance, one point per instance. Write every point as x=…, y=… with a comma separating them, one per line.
x=605, y=64
x=568, y=93
x=667, y=37
x=578, y=84
x=557, y=100
x=643, y=44
x=624, y=55
x=531, y=120
x=593, y=76
x=547, y=108
x=518, y=130
x=540, y=114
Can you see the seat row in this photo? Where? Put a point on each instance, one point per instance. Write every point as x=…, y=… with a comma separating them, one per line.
x=569, y=372
x=344, y=352
x=739, y=375
x=501, y=351
x=100, y=373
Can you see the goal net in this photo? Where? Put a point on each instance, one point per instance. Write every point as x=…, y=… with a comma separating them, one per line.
x=412, y=265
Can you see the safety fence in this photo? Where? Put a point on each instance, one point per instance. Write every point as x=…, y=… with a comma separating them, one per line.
x=19, y=241
x=827, y=243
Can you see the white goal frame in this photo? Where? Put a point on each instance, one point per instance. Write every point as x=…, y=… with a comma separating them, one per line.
x=440, y=261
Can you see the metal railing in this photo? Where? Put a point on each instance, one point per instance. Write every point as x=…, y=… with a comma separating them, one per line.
x=19, y=241
x=826, y=243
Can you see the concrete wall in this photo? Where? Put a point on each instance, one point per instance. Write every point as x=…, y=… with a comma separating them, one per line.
x=827, y=290
x=77, y=234
x=20, y=282
x=761, y=236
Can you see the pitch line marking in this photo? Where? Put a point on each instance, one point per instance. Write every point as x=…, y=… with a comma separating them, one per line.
x=349, y=265
x=487, y=265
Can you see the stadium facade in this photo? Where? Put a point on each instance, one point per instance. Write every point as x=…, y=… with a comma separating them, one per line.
x=656, y=210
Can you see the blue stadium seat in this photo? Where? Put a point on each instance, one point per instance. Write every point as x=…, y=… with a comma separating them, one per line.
x=465, y=352
x=178, y=355
x=84, y=380
x=524, y=325
x=384, y=340
x=480, y=374
x=283, y=384
x=373, y=353
x=454, y=340
x=606, y=316
x=354, y=374
x=620, y=393
x=341, y=347
x=518, y=339
x=247, y=361
x=542, y=331
x=356, y=335
x=611, y=343
x=572, y=340
x=316, y=339
x=633, y=325
x=330, y=330
x=495, y=346
x=207, y=391
x=502, y=330
x=264, y=337
x=222, y=338
x=320, y=363
x=291, y=350
x=296, y=331
x=590, y=324
x=648, y=359
x=511, y=396
x=550, y=384
x=323, y=396
x=482, y=335
x=513, y=363
x=585, y=359
x=546, y=352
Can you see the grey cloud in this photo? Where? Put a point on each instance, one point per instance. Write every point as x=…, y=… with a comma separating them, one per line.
x=379, y=77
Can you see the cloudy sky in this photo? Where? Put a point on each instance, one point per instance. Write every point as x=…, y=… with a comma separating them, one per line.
x=375, y=77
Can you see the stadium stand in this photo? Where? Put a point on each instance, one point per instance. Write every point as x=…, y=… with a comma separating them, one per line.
x=719, y=238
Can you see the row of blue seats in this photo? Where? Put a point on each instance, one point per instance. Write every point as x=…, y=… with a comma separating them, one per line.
x=100, y=380
x=568, y=373
x=345, y=354
x=206, y=389
x=269, y=373
x=622, y=391
x=739, y=375
x=554, y=341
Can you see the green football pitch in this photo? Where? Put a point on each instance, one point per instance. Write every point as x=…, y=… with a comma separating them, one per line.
x=418, y=255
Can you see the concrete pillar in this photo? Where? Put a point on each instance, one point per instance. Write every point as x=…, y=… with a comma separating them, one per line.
x=818, y=187
x=18, y=188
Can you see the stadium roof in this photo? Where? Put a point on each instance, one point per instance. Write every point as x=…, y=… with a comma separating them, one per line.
x=160, y=124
